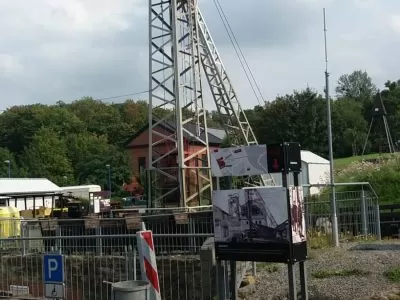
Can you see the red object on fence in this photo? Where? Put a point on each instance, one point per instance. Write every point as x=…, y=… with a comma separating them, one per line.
x=148, y=264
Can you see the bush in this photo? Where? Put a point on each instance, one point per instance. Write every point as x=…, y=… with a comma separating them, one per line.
x=383, y=175
x=393, y=274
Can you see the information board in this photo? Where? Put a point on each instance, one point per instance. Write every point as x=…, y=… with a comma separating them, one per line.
x=239, y=161
x=252, y=224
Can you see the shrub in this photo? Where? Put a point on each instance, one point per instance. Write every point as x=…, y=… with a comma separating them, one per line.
x=383, y=175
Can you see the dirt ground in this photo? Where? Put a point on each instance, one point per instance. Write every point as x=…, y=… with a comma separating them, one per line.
x=355, y=270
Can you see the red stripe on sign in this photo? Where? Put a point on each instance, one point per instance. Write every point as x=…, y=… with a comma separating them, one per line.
x=151, y=275
x=148, y=237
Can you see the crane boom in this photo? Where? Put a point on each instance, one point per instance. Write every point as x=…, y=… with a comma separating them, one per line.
x=231, y=113
x=180, y=46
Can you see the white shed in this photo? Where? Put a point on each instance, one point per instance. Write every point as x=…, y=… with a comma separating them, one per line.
x=81, y=191
x=29, y=193
x=315, y=170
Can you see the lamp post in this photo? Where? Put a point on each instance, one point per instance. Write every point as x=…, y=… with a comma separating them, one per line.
x=109, y=179
x=335, y=229
x=9, y=167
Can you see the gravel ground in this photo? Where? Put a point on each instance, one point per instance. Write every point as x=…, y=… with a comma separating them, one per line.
x=370, y=260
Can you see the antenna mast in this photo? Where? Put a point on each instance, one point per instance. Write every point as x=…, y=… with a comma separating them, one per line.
x=335, y=230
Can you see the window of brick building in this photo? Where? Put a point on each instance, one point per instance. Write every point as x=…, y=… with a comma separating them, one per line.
x=141, y=164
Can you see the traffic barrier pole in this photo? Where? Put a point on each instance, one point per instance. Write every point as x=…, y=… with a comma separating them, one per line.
x=148, y=264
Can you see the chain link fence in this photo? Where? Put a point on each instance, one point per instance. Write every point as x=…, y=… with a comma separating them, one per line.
x=102, y=251
x=99, y=252
x=357, y=213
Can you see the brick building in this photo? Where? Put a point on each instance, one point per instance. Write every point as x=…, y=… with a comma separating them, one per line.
x=138, y=148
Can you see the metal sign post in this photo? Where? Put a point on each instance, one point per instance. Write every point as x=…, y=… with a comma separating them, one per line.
x=286, y=158
x=290, y=264
x=53, y=274
x=245, y=227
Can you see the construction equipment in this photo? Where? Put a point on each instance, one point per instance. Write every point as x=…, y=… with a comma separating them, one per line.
x=181, y=48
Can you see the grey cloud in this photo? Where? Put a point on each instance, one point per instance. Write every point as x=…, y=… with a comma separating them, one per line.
x=260, y=23
x=281, y=39
x=60, y=64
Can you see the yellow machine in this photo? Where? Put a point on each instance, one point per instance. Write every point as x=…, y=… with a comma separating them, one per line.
x=10, y=222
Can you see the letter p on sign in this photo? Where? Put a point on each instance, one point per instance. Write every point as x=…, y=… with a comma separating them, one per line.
x=53, y=267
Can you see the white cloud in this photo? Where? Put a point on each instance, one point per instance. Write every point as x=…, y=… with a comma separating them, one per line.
x=58, y=49
x=395, y=20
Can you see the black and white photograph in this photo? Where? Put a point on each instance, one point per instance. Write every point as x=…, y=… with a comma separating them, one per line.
x=298, y=217
x=239, y=161
x=253, y=215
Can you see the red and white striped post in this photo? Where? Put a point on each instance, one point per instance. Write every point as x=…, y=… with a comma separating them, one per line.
x=148, y=264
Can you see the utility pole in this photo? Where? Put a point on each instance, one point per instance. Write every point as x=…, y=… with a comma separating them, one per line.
x=335, y=230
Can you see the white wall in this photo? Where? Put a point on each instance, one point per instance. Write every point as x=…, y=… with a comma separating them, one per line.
x=81, y=191
x=30, y=202
x=318, y=174
x=303, y=176
x=310, y=174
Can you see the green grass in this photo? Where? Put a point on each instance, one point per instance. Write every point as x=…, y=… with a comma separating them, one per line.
x=342, y=273
x=393, y=274
x=384, y=177
x=342, y=163
x=318, y=241
x=269, y=267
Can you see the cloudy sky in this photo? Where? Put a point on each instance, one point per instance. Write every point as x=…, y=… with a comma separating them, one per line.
x=54, y=50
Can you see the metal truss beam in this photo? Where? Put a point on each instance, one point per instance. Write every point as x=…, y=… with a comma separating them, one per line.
x=178, y=139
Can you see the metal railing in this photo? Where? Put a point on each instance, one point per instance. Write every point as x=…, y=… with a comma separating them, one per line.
x=101, y=251
x=357, y=213
x=96, y=257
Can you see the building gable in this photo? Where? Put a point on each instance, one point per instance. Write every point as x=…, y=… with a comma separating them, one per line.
x=141, y=138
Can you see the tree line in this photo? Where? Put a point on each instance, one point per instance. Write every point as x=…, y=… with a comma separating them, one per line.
x=72, y=143
x=302, y=117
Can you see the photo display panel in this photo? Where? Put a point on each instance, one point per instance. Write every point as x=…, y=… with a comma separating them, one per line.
x=239, y=161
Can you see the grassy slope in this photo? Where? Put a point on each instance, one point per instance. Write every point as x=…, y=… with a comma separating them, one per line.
x=342, y=163
x=384, y=176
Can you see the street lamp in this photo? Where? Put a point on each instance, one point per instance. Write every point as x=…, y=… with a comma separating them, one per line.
x=335, y=230
x=109, y=179
x=9, y=167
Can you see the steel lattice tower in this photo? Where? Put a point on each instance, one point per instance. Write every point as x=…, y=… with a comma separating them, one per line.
x=180, y=46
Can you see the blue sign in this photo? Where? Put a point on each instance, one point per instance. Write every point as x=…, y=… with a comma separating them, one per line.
x=53, y=268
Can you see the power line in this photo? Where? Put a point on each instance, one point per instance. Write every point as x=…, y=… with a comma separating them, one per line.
x=122, y=95
x=239, y=51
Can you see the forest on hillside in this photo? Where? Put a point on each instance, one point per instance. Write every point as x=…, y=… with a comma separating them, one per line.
x=71, y=143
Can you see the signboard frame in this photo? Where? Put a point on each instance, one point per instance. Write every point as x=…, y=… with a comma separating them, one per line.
x=239, y=161
x=242, y=248
x=54, y=284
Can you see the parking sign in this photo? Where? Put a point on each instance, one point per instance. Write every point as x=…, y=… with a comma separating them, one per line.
x=53, y=267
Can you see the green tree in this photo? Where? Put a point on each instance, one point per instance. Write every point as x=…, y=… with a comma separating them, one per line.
x=299, y=117
x=18, y=126
x=135, y=113
x=90, y=153
x=98, y=116
x=59, y=119
x=46, y=157
x=349, y=127
x=357, y=85
x=5, y=156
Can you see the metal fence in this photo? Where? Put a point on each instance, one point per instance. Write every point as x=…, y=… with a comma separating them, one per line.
x=357, y=213
x=100, y=252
